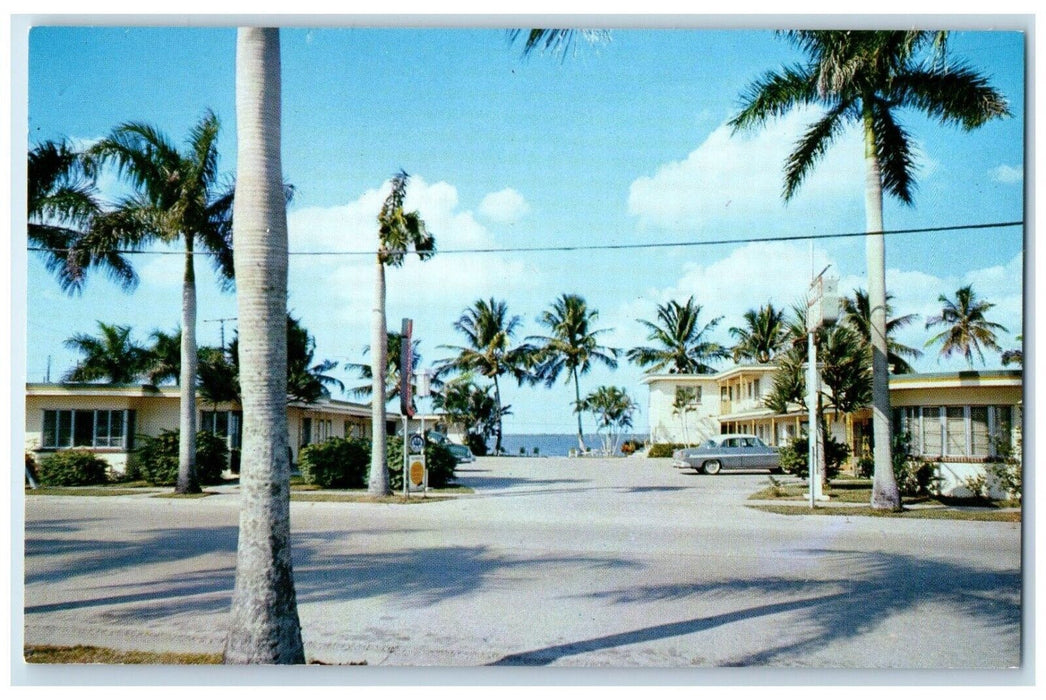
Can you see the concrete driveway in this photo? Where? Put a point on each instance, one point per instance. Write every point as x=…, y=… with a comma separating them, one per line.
x=552, y=562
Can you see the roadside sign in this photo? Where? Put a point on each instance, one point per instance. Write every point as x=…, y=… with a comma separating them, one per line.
x=416, y=472
x=417, y=444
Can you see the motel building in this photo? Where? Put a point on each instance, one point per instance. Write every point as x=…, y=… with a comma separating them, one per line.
x=958, y=420
x=106, y=419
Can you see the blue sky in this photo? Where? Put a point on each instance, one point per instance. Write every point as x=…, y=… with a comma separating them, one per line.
x=621, y=141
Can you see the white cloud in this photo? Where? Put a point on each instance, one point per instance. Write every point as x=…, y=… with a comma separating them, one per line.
x=732, y=180
x=335, y=294
x=504, y=207
x=1007, y=174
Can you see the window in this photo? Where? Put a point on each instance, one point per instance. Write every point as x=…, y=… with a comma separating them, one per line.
x=88, y=428
x=688, y=396
x=956, y=431
x=224, y=424
x=306, y=431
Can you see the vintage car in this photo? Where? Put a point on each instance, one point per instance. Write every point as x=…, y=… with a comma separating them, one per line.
x=729, y=451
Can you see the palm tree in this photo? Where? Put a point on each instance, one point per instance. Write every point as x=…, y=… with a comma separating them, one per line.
x=613, y=409
x=865, y=78
x=966, y=328
x=858, y=315
x=165, y=356
x=176, y=197
x=1014, y=356
x=762, y=336
x=472, y=407
x=683, y=346
x=488, y=330
x=392, y=368
x=307, y=378
x=572, y=346
x=111, y=356
x=264, y=624
x=398, y=232
x=61, y=208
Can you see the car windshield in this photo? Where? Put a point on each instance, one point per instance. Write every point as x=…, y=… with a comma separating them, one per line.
x=709, y=444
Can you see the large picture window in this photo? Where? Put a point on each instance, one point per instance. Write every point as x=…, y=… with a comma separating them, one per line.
x=956, y=431
x=88, y=428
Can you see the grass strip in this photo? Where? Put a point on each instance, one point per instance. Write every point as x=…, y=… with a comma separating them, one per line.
x=101, y=655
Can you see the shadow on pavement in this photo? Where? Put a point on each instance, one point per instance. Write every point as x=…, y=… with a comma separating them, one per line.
x=881, y=585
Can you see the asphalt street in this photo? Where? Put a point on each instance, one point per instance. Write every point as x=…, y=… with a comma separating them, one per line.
x=550, y=562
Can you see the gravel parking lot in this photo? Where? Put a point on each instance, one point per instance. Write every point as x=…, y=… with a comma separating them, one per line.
x=551, y=562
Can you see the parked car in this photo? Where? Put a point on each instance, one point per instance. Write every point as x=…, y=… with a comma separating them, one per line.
x=729, y=451
x=461, y=452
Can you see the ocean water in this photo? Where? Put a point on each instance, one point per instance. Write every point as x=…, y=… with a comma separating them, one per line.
x=551, y=445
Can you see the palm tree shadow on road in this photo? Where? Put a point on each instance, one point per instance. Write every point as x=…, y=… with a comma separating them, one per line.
x=881, y=586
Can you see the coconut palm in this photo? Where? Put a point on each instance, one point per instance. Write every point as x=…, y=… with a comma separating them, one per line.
x=111, y=356
x=966, y=328
x=573, y=345
x=488, y=330
x=61, y=208
x=264, y=624
x=177, y=197
x=682, y=346
x=471, y=406
x=613, y=410
x=399, y=231
x=762, y=336
x=394, y=343
x=165, y=356
x=857, y=314
x=1014, y=356
x=866, y=78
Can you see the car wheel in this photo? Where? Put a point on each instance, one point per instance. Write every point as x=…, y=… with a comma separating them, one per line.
x=712, y=467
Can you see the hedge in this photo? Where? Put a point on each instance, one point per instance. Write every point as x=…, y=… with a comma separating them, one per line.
x=73, y=468
x=338, y=463
x=665, y=449
x=156, y=461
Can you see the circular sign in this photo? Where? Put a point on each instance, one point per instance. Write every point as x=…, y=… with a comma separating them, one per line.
x=417, y=472
x=417, y=443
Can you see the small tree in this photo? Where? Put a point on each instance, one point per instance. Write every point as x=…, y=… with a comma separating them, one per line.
x=613, y=410
x=686, y=397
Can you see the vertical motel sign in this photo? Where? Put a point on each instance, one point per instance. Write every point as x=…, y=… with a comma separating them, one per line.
x=822, y=308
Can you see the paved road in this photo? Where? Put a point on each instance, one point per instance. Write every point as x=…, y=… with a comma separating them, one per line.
x=558, y=562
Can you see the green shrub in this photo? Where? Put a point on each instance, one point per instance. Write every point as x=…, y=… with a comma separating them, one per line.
x=1009, y=473
x=339, y=463
x=914, y=477
x=866, y=466
x=477, y=444
x=73, y=468
x=664, y=449
x=438, y=460
x=156, y=460
x=794, y=456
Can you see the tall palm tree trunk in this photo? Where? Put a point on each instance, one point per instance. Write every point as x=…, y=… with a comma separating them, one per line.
x=187, y=479
x=264, y=625
x=577, y=409
x=884, y=485
x=378, y=484
x=497, y=401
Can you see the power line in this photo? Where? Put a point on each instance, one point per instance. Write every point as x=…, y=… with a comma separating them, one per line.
x=612, y=246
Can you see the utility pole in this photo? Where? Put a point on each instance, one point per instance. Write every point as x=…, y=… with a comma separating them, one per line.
x=222, y=322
